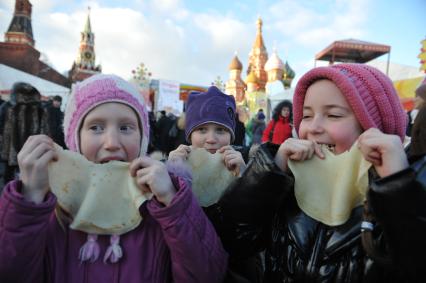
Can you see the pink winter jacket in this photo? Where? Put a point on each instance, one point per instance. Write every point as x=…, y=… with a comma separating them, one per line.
x=172, y=244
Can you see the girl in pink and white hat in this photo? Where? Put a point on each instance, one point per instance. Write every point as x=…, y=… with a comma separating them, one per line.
x=341, y=203
x=105, y=120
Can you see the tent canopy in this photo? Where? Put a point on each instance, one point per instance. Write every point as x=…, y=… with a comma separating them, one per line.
x=352, y=51
x=9, y=76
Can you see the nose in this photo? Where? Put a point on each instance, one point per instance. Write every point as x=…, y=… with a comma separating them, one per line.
x=316, y=125
x=112, y=140
x=210, y=137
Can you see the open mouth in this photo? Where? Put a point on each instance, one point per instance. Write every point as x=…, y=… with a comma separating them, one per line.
x=108, y=160
x=330, y=147
x=212, y=151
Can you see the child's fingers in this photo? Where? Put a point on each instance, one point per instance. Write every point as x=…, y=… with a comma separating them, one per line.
x=32, y=142
x=225, y=148
x=141, y=162
x=41, y=155
x=142, y=183
x=318, y=151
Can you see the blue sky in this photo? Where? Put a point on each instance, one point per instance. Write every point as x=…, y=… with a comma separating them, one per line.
x=194, y=41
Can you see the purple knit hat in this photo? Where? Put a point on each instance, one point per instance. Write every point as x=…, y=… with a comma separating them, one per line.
x=368, y=91
x=212, y=106
x=94, y=91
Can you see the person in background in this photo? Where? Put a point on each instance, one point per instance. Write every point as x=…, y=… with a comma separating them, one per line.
x=249, y=128
x=20, y=117
x=177, y=132
x=419, y=102
x=55, y=121
x=258, y=126
x=280, y=127
x=240, y=131
x=418, y=133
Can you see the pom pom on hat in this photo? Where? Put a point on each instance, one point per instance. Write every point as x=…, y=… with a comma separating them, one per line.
x=96, y=90
x=212, y=106
x=369, y=92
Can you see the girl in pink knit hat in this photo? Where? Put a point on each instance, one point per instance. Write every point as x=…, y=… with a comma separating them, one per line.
x=41, y=239
x=341, y=203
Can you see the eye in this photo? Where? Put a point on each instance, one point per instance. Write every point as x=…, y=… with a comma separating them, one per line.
x=201, y=129
x=306, y=116
x=96, y=128
x=221, y=130
x=126, y=128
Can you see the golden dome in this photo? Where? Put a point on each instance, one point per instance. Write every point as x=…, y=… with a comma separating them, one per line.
x=251, y=78
x=235, y=64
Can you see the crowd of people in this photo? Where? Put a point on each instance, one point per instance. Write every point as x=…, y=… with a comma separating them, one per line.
x=328, y=193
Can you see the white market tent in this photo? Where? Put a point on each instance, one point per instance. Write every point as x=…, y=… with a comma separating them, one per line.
x=9, y=76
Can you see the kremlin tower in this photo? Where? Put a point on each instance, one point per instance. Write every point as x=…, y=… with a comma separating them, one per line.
x=84, y=66
x=20, y=29
x=18, y=49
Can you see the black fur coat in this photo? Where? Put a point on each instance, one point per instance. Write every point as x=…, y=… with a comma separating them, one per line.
x=20, y=118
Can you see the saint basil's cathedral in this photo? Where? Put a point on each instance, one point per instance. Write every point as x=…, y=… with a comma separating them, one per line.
x=266, y=78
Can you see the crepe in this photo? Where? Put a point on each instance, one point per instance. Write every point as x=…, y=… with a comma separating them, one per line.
x=210, y=177
x=101, y=198
x=328, y=189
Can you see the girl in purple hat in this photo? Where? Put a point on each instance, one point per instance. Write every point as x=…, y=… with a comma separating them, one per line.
x=341, y=203
x=40, y=241
x=210, y=124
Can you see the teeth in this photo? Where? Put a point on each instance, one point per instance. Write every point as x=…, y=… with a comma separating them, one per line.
x=330, y=147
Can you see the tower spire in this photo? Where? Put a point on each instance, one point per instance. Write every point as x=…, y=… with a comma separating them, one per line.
x=84, y=66
x=88, y=27
x=20, y=29
x=258, y=57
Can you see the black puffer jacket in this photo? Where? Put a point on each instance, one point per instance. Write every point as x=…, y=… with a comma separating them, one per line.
x=260, y=212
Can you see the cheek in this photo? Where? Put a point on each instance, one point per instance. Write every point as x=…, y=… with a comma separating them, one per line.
x=225, y=140
x=89, y=148
x=133, y=149
x=344, y=138
x=197, y=140
x=303, y=130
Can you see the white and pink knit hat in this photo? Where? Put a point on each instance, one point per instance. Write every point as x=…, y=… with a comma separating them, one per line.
x=94, y=91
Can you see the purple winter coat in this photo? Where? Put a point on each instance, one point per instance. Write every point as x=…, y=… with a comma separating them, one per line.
x=172, y=244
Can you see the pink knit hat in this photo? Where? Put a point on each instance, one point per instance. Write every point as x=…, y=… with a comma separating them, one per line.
x=94, y=91
x=368, y=91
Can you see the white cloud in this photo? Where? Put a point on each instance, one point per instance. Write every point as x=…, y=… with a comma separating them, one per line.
x=176, y=43
x=308, y=27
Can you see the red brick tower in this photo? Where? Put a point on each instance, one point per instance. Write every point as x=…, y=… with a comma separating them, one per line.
x=84, y=66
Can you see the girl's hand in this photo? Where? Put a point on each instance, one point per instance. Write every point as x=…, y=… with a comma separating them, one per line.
x=384, y=151
x=152, y=176
x=181, y=153
x=233, y=160
x=33, y=160
x=298, y=150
